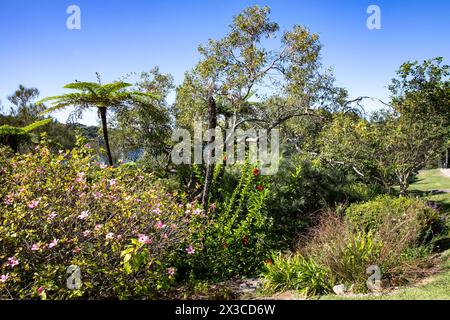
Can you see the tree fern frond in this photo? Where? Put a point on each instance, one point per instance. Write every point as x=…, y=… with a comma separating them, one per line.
x=83, y=86
x=115, y=86
x=36, y=125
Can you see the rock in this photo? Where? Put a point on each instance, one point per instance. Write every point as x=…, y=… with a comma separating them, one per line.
x=339, y=289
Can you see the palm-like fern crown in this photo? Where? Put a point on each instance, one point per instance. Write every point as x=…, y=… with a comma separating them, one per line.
x=91, y=94
x=7, y=130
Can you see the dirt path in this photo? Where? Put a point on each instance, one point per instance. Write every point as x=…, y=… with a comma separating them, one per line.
x=445, y=172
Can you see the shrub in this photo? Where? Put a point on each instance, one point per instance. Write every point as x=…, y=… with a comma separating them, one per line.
x=391, y=233
x=294, y=272
x=358, y=191
x=300, y=188
x=118, y=225
x=411, y=215
x=236, y=240
x=335, y=245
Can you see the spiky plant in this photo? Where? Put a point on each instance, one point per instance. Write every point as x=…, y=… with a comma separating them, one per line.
x=100, y=96
x=13, y=136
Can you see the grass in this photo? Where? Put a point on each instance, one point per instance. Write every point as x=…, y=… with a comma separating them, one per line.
x=428, y=182
x=436, y=287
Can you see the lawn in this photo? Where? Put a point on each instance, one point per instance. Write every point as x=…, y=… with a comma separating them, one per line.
x=429, y=183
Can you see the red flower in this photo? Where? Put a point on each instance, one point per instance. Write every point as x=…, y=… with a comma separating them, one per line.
x=245, y=241
x=269, y=262
x=260, y=188
x=225, y=245
x=256, y=172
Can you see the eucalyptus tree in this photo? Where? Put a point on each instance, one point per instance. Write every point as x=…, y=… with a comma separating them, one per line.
x=103, y=97
x=252, y=82
x=23, y=106
x=257, y=75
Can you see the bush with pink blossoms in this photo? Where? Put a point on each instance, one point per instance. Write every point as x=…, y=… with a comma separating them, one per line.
x=118, y=225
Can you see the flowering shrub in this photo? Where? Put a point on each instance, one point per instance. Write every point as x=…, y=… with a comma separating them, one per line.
x=118, y=225
x=236, y=240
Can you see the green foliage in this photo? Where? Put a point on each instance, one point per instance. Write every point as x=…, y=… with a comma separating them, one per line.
x=388, y=151
x=344, y=251
x=101, y=96
x=126, y=233
x=361, y=192
x=14, y=136
x=371, y=215
x=236, y=240
x=144, y=128
x=422, y=90
x=294, y=272
x=237, y=69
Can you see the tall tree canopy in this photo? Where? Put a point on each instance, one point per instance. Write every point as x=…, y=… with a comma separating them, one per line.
x=252, y=82
x=146, y=127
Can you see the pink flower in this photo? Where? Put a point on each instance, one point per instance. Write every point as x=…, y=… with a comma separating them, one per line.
x=112, y=182
x=110, y=236
x=97, y=195
x=76, y=250
x=171, y=271
x=12, y=262
x=83, y=215
x=4, y=278
x=21, y=190
x=86, y=233
x=80, y=177
x=35, y=247
x=40, y=291
x=144, y=239
x=9, y=200
x=33, y=204
x=157, y=211
x=98, y=227
x=197, y=211
x=52, y=216
x=53, y=243
x=190, y=250
x=160, y=225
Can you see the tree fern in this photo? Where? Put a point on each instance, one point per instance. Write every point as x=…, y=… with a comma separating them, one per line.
x=100, y=96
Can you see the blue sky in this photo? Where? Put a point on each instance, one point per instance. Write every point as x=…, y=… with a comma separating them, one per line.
x=118, y=37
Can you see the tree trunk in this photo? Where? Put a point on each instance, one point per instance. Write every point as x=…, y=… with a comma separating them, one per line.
x=446, y=158
x=404, y=185
x=212, y=123
x=105, y=134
